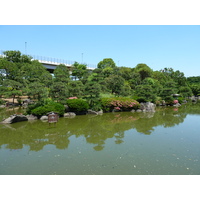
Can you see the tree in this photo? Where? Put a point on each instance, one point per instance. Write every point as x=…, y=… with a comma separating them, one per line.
x=12, y=88
x=115, y=83
x=155, y=84
x=106, y=63
x=38, y=91
x=185, y=91
x=195, y=89
x=35, y=72
x=158, y=75
x=145, y=93
x=59, y=91
x=76, y=89
x=78, y=70
x=16, y=57
x=61, y=74
x=144, y=71
x=126, y=89
x=125, y=72
x=176, y=76
x=92, y=92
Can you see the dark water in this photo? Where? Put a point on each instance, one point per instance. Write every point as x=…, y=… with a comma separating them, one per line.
x=164, y=142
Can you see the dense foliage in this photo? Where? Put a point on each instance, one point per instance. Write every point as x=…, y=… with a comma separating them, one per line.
x=40, y=110
x=77, y=105
x=22, y=76
x=119, y=103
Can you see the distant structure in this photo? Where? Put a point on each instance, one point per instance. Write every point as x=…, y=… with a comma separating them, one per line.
x=52, y=63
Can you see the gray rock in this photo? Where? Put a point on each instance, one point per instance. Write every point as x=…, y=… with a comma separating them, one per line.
x=147, y=107
x=100, y=112
x=31, y=117
x=44, y=118
x=14, y=119
x=95, y=112
x=177, y=105
x=69, y=114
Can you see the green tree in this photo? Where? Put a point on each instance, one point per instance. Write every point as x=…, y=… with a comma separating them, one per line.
x=38, y=91
x=11, y=88
x=36, y=72
x=106, y=63
x=61, y=74
x=115, y=84
x=145, y=93
x=125, y=72
x=76, y=89
x=126, y=89
x=59, y=92
x=78, y=70
x=195, y=89
x=158, y=75
x=155, y=85
x=107, y=66
x=92, y=92
x=185, y=91
x=144, y=71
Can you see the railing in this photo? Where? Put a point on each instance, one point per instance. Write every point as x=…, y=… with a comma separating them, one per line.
x=54, y=61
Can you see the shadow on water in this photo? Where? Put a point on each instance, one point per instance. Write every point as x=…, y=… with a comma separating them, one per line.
x=95, y=129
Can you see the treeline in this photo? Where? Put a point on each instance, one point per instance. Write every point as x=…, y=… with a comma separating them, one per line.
x=20, y=76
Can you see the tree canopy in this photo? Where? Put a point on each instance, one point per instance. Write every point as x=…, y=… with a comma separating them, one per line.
x=20, y=75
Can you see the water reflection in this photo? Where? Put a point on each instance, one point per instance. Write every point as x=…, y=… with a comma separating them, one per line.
x=95, y=129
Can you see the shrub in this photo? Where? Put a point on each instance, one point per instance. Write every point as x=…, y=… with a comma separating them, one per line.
x=181, y=99
x=51, y=106
x=77, y=105
x=119, y=103
x=32, y=107
x=2, y=102
x=169, y=100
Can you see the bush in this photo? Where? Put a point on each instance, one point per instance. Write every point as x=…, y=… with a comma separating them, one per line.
x=2, y=102
x=50, y=107
x=77, y=105
x=169, y=100
x=32, y=107
x=119, y=103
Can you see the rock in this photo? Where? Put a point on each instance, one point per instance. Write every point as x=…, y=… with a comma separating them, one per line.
x=31, y=117
x=138, y=110
x=100, y=112
x=147, y=107
x=44, y=118
x=14, y=119
x=69, y=114
x=177, y=105
x=95, y=112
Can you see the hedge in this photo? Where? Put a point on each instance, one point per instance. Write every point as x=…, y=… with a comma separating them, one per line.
x=119, y=103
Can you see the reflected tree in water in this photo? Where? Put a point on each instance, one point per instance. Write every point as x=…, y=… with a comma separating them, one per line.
x=95, y=129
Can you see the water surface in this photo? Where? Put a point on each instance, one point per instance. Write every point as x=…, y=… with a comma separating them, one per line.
x=164, y=142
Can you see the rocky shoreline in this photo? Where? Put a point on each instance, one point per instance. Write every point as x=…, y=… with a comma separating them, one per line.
x=144, y=107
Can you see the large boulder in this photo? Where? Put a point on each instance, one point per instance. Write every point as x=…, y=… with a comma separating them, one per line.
x=14, y=119
x=147, y=107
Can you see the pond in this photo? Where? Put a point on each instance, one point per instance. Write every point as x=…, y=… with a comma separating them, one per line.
x=166, y=142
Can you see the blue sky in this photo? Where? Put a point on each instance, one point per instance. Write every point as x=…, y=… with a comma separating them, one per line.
x=158, y=46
